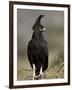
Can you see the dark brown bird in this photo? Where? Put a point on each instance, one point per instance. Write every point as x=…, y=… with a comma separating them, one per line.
x=37, y=50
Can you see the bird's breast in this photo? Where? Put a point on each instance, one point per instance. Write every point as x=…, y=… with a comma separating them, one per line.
x=39, y=44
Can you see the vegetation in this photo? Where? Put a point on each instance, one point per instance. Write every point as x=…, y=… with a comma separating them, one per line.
x=55, y=70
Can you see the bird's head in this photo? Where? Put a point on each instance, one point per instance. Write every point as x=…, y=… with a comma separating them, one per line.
x=38, y=27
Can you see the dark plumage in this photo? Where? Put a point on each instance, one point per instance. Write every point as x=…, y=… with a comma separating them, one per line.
x=37, y=50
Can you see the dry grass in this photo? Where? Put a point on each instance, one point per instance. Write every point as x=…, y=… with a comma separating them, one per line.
x=55, y=70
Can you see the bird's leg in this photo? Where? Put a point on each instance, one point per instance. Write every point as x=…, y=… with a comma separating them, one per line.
x=41, y=70
x=33, y=71
x=42, y=74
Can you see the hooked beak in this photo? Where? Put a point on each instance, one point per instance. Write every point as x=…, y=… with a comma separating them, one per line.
x=44, y=29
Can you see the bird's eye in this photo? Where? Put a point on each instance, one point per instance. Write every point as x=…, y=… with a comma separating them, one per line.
x=41, y=26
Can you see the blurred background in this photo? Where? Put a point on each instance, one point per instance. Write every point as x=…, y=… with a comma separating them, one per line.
x=54, y=22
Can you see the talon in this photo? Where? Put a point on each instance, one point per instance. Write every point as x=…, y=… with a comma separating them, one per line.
x=36, y=77
x=43, y=75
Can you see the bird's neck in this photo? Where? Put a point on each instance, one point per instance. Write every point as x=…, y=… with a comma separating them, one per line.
x=37, y=35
